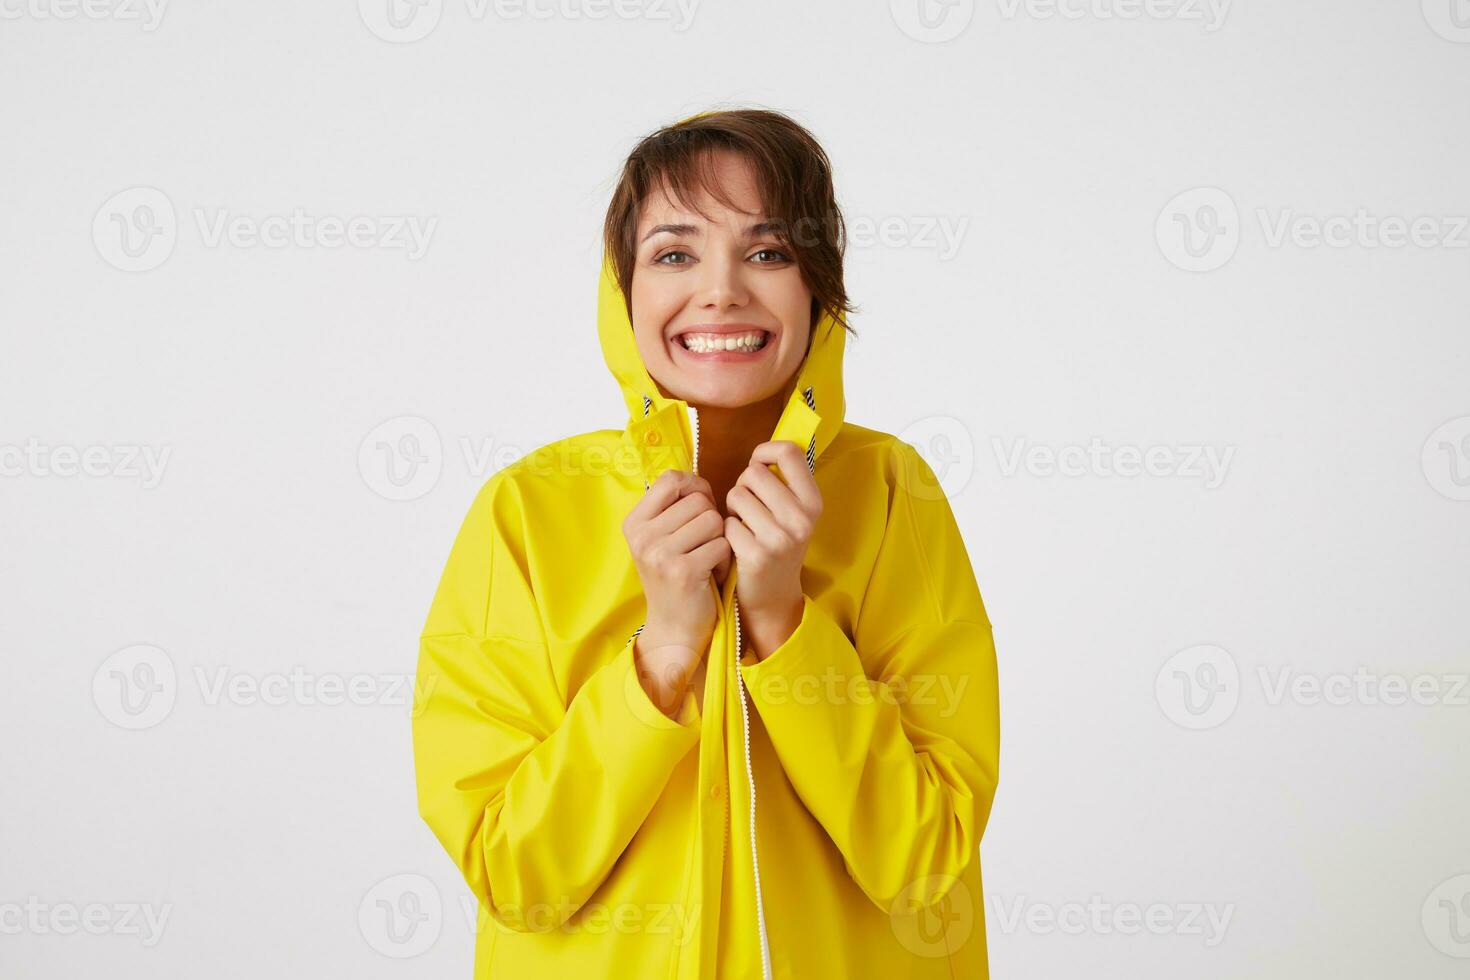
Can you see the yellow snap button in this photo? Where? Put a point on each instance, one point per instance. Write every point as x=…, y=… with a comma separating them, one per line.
x=716, y=791
x=652, y=437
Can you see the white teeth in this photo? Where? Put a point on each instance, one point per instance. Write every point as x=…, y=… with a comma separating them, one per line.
x=704, y=343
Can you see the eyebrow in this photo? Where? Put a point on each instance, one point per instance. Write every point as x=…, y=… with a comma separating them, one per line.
x=757, y=229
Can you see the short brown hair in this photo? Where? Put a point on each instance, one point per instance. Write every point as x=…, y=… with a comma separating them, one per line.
x=791, y=171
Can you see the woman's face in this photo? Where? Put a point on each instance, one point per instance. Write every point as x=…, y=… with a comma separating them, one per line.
x=701, y=284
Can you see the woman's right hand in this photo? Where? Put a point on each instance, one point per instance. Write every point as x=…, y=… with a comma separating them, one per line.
x=677, y=538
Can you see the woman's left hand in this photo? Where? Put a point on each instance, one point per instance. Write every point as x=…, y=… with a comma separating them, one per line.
x=769, y=526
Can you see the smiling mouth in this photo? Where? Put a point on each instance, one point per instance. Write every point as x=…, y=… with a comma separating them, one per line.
x=745, y=342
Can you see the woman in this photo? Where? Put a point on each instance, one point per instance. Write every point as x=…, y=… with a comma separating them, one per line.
x=739, y=598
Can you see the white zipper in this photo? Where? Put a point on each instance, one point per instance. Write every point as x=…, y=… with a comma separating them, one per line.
x=760, y=911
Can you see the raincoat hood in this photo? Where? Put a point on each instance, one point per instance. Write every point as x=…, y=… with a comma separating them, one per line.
x=812, y=416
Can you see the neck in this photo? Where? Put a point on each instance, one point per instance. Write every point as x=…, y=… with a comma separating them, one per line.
x=727, y=437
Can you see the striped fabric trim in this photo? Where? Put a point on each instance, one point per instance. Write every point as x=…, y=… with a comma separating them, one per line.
x=647, y=404
x=811, y=447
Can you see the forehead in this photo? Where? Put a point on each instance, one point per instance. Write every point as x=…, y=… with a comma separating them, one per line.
x=736, y=181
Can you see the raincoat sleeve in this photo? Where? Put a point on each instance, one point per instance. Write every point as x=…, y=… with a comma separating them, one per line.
x=533, y=795
x=892, y=741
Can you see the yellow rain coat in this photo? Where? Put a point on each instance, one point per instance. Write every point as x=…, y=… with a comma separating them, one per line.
x=816, y=814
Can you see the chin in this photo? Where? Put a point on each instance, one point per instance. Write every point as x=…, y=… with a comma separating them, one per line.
x=711, y=396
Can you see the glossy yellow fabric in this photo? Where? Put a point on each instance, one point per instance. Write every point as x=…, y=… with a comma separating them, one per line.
x=605, y=839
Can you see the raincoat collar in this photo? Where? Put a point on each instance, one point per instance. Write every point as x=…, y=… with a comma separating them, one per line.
x=659, y=431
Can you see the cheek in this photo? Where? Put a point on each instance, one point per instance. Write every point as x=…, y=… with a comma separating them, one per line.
x=793, y=302
x=652, y=310
x=647, y=325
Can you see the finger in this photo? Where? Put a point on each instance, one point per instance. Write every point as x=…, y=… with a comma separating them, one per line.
x=674, y=486
x=753, y=512
x=777, y=496
x=742, y=541
x=695, y=532
x=710, y=554
x=679, y=513
x=693, y=483
x=791, y=459
x=664, y=490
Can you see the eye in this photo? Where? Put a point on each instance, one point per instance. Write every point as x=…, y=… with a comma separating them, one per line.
x=677, y=251
x=780, y=256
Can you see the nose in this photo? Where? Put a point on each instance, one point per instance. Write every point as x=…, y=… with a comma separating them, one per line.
x=721, y=284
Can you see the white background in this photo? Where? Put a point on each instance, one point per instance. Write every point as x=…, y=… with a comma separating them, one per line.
x=1334, y=379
